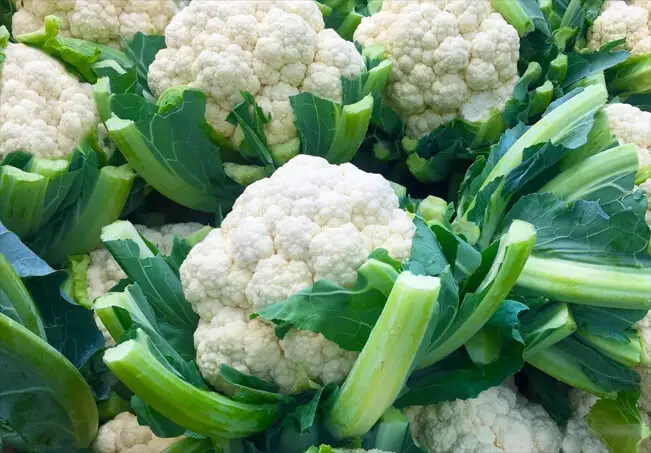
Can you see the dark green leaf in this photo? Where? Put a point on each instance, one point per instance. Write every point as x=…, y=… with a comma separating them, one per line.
x=426, y=257
x=581, y=65
x=316, y=121
x=250, y=389
x=142, y=50
x=250, y=117
x=606, y=322
x=543, y=389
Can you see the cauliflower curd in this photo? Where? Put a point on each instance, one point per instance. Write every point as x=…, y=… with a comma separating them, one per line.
x=44, y=110
x=123, y=434
x=310, y=220
x=101, y=21
x=629, y=20
x=451, y=58
x=272, y=49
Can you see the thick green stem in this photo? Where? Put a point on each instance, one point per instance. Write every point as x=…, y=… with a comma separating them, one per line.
x=627, y=352
x=22, y=196
x=386, y=360
x=546, y=327
x=591, y=284
x=203, y=412
x=20, y=299
x=631, y=76
x=514, y=251
x=379, y=275
x=156, y=172
x=580, y=180
x=64, y=383
x=351, y=128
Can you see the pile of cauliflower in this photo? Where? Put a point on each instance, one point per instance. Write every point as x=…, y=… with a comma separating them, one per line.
x=271, y=49
x=619, y=19
x=100, y=21
x=310, y=220
x=44, y=110
x=451, y=59
x=124, y=434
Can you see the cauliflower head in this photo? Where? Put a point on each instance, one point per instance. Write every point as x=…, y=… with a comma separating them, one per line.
x=100, y=21
x=619, y=19
x=272, y=49
x=451, y=58
x=631, y=125
x=44, y=110
x=123, y=434
x=577, y=437
x=497, y=421
x=310, y=220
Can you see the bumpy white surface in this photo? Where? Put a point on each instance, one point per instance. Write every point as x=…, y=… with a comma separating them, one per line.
x=272, y=49
x=44, y=110
x=631, y=125
x=451, y=58
x=123, y=434
x=619, y=19
x=310, y=220
x=577, y=437
x=101, y=21
x=644, y=327
x=497, y=421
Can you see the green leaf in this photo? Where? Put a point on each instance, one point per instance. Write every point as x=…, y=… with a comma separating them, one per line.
x=618, y=422
x=543, y=389
x=607, y=322
x=581, y=65
x=457, y=377
x=142, y=50
x=249, y=389
x=426, y=256
x=252, y=120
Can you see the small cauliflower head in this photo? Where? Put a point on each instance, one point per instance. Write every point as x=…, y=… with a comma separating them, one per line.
x=451, y=59
x=497, y=421
x=644, y=327
x=100, y=21
x=631, y=125
x=44, y=110
x=619, y=19
x=123, y=434
x=272, y=49
x=577, y=437
x=309, y=221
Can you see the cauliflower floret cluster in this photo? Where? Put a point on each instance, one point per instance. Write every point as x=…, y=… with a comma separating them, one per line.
x=104, y=272
x=631, y=125
x=497, y=421
x=100, y=21
x=123, y=434
x=44, y=110
x=272, y=49
x=644, y=327
x=619, y=19
x=451, y=58
x=310, y=220
x=577, y=437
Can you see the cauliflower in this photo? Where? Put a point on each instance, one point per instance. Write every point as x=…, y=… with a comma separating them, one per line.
x=644, y=327
x=101, y=21
x=310, y=220
x=629, y=20
x=104, y=272
x=44, y=110
x=123, y=434
x=272, y=49
x=577, y=437
x=497, y=421
x=451, y=58
x=631, y=125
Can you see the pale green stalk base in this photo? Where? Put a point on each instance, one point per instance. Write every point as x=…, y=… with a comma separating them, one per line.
x=123, y=230
x=380, y=371
x=514, y=250
x=20, y=299
x=203, y=412
x=244, y=175
x=593, y=173
x=350, y=131
x=629, y=353
x=64, y=381
x=590, y=284
x=433, y=209
x=22, y=196
x=553, y=324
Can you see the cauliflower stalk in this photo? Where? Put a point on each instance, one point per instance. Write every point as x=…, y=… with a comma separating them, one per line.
x=274, y=82
x=101, y=21
x=48, y=151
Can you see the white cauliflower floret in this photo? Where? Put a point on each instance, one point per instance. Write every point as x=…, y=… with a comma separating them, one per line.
x=104, y=272
x=272, y=49
x=620, y=19
x=497, y=421
x=123, y=434
x=310, y=220
x=451, y=58
x=631, y=125
x=577, y=437
x=101, y=21
x=644, y=327
x=44, y=110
